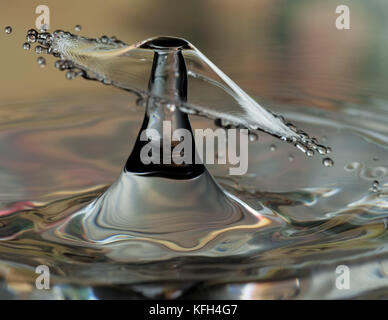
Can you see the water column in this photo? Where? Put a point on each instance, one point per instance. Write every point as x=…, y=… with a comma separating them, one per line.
x=168, y=89
x=159, y=211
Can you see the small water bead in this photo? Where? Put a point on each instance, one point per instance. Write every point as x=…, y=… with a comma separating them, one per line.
x=104, y=39
x=31, y=38
x=8, y=29
x=309, y=152
x=291, y=158
x=38, y=49
x=375, y=186
x=42, y=62
x=70, y=75
x=63, y=65
x=301, y=147
x=272, y=147
x=33, y=32
x=44, y=27
x=328, y=162
x=78, y=27
x=26, y=46
x=321, y=149
x=375, y=183
x=328, y=150
x=253, y=137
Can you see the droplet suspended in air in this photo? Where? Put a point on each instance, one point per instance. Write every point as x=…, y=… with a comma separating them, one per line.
x=272, y=147
x=42, y=62
x=8, y=29
x=78, y=27
x=252, y=137
x=31, y=38
x=26, y=46
x=328, y=162
x=70, y=75
x=375, y=186
x=309, y=152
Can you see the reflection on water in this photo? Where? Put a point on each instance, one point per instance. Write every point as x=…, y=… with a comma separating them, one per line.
x=306, y=218
x=303, y=221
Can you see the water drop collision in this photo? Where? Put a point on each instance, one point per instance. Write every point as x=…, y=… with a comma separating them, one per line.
x=214, y=94
x=205, y=220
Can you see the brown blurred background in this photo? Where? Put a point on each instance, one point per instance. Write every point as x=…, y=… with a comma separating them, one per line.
x=286, y=51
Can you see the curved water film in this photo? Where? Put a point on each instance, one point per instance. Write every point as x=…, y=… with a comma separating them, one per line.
x=211, y=92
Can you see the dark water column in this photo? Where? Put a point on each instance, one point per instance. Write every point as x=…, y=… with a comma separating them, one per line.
x=167, y=86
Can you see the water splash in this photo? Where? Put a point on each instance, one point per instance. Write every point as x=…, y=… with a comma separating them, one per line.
x=211, y=92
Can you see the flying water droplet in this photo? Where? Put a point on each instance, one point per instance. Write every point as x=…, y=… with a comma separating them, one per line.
x=26, y=46
x=272, y=147
x=328, y=162
x=253, y=137
x=375, y=186
x=309, y=152
x=78, y=27
x=8, y=29
x=71, y=74
x=42, y=62
x=44, y=27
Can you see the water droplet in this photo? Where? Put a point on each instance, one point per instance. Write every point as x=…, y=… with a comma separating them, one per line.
x=252, y=137
x=26, y=46
x=38, y=49
x=327, y=162
x=375, y=186
x=44, y=28
x=42, y=62
x=301, y=147
x=309, y=152
x=70, y=75
x=328, y=150
x=321, y=149
x=8, y=29
x=31, y=38
x=33, y=32
x=104, y=39
x=291, y=158
x=272, y=147
x=78, y=27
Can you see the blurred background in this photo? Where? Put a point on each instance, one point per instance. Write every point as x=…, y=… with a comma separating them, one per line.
x=280, y=50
